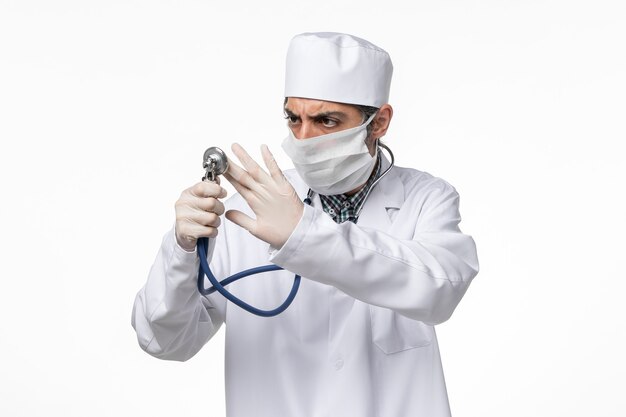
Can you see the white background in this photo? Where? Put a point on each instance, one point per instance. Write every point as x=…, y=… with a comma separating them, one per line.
x=107, y=106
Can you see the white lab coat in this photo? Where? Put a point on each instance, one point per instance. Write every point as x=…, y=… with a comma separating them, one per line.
x=358, y=339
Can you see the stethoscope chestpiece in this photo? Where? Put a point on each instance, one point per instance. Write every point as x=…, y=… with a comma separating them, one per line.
x=214, y=163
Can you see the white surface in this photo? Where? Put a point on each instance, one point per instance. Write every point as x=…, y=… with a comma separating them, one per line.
x=107, y=106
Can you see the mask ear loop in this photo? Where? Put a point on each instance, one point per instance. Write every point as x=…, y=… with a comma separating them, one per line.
x=368, y=121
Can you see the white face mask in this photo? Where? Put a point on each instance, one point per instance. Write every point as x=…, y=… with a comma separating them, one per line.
x=334, y=163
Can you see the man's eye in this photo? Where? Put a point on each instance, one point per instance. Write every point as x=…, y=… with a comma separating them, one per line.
x=329, y=122
x=291, y=119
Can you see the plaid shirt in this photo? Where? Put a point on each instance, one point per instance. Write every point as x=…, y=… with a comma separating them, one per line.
x=342, y=207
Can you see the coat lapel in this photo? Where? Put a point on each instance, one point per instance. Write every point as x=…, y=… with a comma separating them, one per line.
x=388, y=194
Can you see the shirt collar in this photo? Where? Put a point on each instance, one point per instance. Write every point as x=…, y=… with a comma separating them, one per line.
x=344, y=207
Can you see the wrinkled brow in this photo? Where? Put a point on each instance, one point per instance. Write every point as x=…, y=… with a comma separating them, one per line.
x=338, y=114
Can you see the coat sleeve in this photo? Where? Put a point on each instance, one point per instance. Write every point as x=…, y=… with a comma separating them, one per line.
x=422, y=277
x=172, y=320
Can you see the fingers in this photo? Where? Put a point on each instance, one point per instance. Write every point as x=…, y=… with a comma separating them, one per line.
x=243, y=182
x=253, y=169
x=240, y=180
x=246, y=160
x=189, y=211
x=205, y=189
x=203, y=196
x=203, y=219
x=237, y=172
x=272, y=166
x=198, y=224
x=241, y=220
x=211, y=205
x=197, y=213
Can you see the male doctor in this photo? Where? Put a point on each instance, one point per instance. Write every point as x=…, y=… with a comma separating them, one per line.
x=379, y=249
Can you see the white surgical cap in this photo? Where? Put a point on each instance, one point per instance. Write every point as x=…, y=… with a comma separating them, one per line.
x=337, y=67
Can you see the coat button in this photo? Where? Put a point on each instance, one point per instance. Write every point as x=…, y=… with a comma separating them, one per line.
x=338, y=364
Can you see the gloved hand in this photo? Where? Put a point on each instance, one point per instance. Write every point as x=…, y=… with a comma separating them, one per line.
x=197, y=213
x=270, y=196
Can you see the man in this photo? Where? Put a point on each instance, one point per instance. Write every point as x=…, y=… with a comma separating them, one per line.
x=378, y=270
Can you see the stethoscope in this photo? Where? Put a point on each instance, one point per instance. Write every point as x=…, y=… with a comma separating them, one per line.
x=215, y=163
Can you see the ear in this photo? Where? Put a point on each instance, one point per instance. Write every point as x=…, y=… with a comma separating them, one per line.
x=382, y=120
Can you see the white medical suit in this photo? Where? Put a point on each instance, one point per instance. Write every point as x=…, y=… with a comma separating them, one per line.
x=358, y=340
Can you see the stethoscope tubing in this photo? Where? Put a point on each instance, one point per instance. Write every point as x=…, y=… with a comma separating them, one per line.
x=203, y=244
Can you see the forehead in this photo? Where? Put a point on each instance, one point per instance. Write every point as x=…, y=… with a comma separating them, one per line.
x=309, y=106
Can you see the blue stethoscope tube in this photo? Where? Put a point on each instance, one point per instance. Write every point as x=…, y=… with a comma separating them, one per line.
x=203, y=244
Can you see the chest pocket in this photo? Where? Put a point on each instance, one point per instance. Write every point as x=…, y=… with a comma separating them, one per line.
x=393, y=333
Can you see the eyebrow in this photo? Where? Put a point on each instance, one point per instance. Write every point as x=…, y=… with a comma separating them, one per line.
x=338, y=114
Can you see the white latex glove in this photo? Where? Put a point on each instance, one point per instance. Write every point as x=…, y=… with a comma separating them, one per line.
x=270, y=196
x=197, y=213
